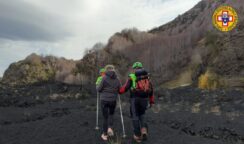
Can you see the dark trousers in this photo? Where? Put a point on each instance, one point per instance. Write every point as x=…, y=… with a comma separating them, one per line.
x=108, y=108
x=138, y=109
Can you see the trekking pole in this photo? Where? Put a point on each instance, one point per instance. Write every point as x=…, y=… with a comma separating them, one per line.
x=122, y=119
x=97, y=127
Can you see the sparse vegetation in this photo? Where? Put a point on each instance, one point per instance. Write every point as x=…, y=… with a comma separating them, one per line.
x=210, y=81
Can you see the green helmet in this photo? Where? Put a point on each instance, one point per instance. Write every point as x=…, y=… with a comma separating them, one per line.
x=102, y=70
x=137, y=65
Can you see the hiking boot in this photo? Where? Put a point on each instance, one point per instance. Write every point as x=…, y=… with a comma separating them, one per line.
x=104, y=137
x=144, y=133
x=137, y=139
x=110, y=132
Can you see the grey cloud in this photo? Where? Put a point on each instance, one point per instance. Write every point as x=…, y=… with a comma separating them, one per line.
x=22, y=21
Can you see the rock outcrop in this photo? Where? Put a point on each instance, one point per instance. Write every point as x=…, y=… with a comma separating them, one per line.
x=35, y=69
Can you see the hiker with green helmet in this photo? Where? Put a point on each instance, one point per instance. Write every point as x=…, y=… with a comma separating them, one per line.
x=98, y=81
x=108, y=89
x=141, y=93
x=102, y=73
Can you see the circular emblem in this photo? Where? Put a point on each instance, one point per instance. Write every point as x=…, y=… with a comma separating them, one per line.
x=225, y=18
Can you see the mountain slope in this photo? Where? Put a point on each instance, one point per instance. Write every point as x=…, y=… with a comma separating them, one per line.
x=189, y=46
x=177, y=53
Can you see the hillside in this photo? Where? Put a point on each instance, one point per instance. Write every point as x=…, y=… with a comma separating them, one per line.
x=38, y=69
x=196, y=70
x=189, y=46
x=177, y=53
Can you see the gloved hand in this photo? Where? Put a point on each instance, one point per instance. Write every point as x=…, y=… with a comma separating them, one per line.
x=122, y=90
x=151, y=101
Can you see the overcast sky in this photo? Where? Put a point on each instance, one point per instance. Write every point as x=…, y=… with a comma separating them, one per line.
x=67, y=27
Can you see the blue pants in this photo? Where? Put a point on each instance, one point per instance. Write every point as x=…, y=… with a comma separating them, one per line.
x=138, y=109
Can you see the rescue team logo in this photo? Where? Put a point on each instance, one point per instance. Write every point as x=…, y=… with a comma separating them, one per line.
x=225, y=18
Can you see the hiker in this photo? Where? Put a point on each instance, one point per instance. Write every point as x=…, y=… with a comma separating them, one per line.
x=99, y=79
x=108, y=89
x=141, y=93
x=102, y=73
